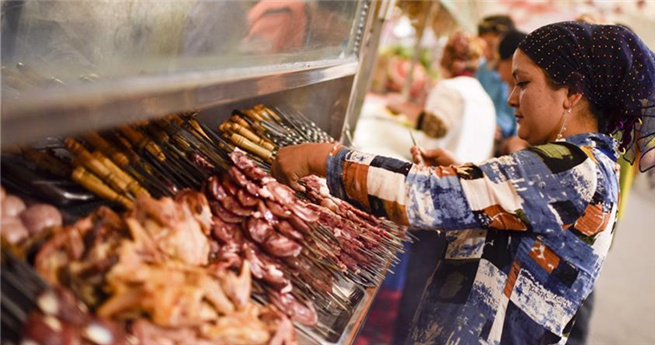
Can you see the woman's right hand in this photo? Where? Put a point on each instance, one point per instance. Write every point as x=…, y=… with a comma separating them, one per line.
x=433, y=157
x=295, y=162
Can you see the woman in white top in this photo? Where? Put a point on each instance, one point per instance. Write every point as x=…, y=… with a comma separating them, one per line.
x=459, y=116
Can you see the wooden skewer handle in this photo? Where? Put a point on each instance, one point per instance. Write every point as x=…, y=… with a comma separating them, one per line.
x=101, y=144
x=86, y=159
x=197, y=127
x=272, y=113
x=253, y=116
x=98, y=142
x=252, y=137
x=131, y=185
x=95, y=185
x=181, y=144
x=261, y=111
x=225, y=127
x=239, y=120
x=140, y=141
x=251, y=147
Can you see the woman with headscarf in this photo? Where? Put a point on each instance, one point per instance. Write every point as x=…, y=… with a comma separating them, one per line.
x=528, y=232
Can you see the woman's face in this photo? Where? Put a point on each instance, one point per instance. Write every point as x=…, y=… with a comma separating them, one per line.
x=539, y=109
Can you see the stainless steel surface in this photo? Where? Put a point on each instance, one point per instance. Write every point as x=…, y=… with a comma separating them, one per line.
x=71, y=40
x=72, y=66
x=101, y=106
x=356, y=319
x=380, y=12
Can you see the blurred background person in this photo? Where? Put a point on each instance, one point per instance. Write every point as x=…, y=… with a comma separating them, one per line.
x=459, y=117
x=491, y=29
x=277, y=26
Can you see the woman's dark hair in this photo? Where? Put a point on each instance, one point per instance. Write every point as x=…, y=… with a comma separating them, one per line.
x=509, y=42
x=498, y=24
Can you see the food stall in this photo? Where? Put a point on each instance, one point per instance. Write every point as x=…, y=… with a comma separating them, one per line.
x=80, y=78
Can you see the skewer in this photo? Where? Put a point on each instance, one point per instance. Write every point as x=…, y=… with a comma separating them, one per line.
x=94, y=184
x=411, y=134
x=132, y=185
x=93, y=164
x=103, y=146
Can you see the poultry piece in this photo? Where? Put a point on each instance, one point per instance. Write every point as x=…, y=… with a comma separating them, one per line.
x=174, y=228
x=20, y=222
x=199, y=207
x=237, y=287
x=171, y=293
x=240, y=328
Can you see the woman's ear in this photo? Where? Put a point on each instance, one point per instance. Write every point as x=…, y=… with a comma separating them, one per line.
x=572, y=99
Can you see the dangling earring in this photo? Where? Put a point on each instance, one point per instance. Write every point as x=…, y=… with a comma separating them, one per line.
x=563, y=129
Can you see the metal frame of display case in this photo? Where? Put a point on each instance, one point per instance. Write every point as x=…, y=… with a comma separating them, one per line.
x=106, y=106
x=327, y=91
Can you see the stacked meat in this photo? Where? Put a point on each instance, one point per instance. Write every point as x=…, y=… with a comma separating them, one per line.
x=296, y=249
x=20, y=222
x=260, y=221
x=151, y=268
x=183, y=271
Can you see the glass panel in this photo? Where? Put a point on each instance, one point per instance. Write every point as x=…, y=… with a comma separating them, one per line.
x=71, y=42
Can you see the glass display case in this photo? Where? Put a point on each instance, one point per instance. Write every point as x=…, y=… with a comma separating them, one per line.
x=97, y=64
x=74, y=66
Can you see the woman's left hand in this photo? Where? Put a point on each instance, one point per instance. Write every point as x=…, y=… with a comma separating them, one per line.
x=433, y=157
x=295, y=162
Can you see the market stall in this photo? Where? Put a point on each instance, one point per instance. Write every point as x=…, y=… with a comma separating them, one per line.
x=146, y=130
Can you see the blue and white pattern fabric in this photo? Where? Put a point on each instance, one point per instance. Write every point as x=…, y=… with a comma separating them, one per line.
x=527, y=235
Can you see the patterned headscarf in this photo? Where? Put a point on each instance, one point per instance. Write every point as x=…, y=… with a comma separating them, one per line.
x=614, y=70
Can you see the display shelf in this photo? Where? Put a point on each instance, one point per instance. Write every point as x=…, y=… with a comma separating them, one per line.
x=105, y=105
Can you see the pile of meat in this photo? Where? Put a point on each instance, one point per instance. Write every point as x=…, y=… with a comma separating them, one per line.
x=260, y=221
x=20, y=222
x=150, y=268
x=189, y=269
x=296, y=249
x=60, y=319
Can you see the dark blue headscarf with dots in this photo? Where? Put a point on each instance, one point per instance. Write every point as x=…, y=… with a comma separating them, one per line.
x=615, y=71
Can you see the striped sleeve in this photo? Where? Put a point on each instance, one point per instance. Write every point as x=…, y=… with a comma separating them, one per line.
x=542, y=189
